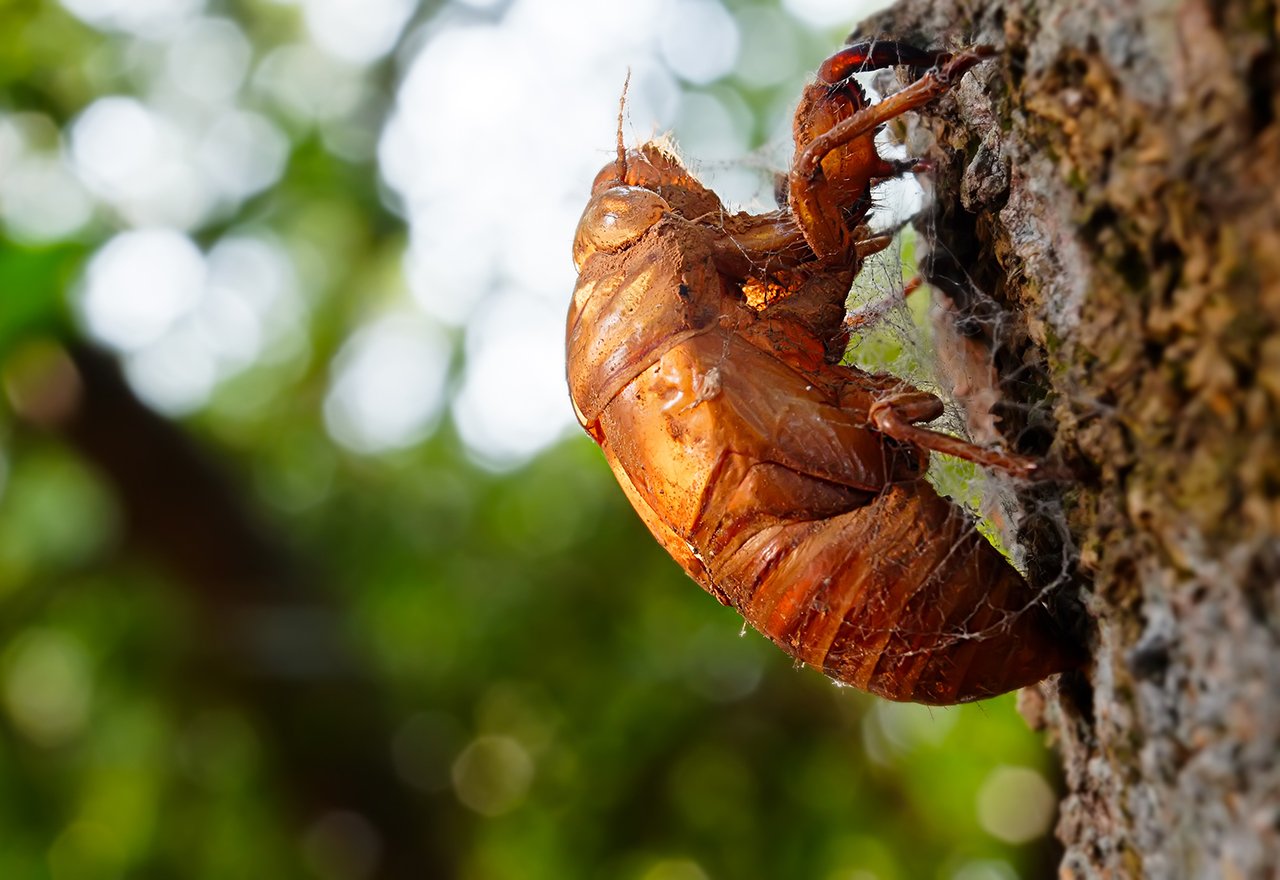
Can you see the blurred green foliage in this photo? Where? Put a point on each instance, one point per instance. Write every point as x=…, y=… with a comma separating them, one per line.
x=555, y=697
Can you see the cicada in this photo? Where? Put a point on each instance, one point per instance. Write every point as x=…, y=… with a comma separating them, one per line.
x=704, y=351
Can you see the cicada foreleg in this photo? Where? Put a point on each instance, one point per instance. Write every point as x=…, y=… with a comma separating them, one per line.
x=827, y=190
x=876, y=55
x=899, y=416
x=836, y=160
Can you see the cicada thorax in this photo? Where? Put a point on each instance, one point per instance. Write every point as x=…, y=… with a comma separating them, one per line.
x=656, y=286
x=806, y=328
x=629, y=307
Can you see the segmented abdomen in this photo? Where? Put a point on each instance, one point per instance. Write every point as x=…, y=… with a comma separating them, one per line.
x=849, y=560
x=901, y=597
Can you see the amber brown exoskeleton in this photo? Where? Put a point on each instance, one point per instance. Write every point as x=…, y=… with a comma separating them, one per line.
x=703, y=356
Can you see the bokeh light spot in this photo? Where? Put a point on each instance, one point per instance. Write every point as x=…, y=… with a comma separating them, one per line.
x=424, y=748
x=675, y=869
x=700, y=40
x=513, y=400
x=833, y=13
x=174, y=374
x=1016, y=804
x=48, y=685
x=359, y=31
x=146, y=18
x=492, y=201
x=342, y=845
x=242, y=153
x=209, y=59
x=115, y=141
x=985, y=869
x=892, y=730
x=41, y=200
x=138, y=160
x=252, y=298
x=388, y=385
x=309, y=84
x=139, y=284
x=770, y=51
x=492, y=775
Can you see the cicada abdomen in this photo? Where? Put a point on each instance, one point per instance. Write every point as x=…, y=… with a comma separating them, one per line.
x=901, y=597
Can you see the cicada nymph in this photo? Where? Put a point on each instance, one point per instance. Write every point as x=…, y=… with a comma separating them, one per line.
x=704, y=357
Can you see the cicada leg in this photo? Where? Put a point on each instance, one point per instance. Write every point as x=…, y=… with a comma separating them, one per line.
x=836, y=159
x=869, y=315
x=898, y=416
x=829, y=185
x=876, y=55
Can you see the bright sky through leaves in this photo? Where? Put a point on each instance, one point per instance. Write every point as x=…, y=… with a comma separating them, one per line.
x=489, y=150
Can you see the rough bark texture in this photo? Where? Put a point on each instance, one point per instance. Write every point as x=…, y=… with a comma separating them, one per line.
x=1112, y=182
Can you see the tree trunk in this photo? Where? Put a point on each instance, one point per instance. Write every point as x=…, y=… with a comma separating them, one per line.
x=1111, y=182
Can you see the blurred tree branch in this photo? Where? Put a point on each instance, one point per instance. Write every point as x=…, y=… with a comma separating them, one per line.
x=268, y=634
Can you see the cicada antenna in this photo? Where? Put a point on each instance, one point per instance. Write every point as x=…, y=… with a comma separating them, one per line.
x=622, y=111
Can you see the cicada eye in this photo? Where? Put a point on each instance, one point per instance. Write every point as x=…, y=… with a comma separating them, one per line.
x=615, y=218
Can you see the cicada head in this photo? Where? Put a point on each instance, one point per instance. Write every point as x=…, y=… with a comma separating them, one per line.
x=616, y=217
x=632, y=193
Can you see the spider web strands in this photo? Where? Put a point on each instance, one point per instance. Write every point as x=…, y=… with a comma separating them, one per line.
x=916, y=337
x=896, y=333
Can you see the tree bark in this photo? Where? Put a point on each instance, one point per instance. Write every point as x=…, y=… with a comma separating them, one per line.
x=1111, y=182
